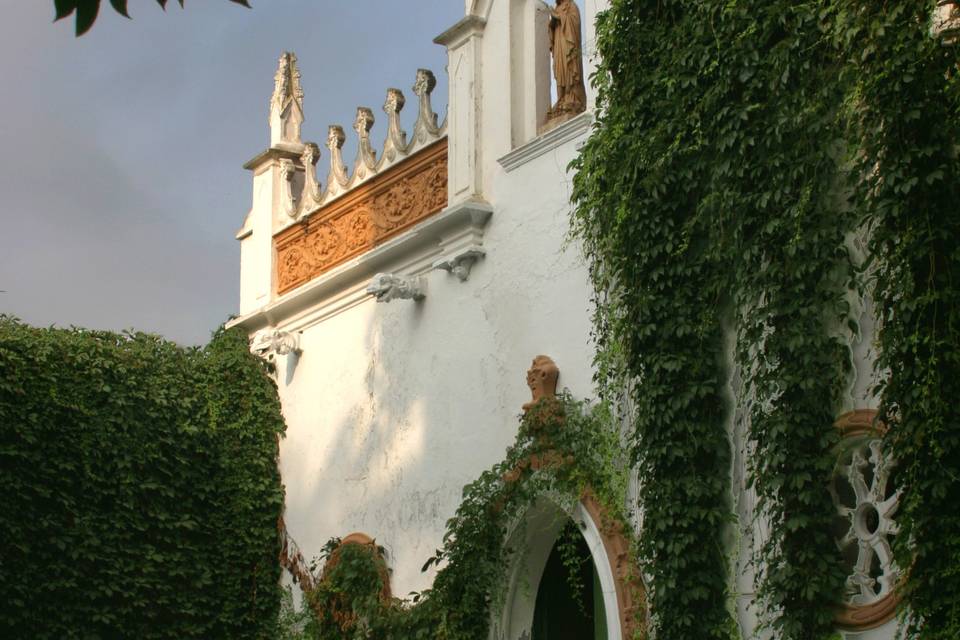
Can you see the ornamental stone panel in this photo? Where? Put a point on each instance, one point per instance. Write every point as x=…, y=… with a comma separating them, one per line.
x=360, y=220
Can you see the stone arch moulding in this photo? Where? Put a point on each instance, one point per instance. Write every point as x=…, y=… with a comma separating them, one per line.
x=871, y=521
x=622, y=589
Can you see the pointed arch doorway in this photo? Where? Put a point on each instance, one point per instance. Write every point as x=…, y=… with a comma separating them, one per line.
x=569, y=602
x=538, y=594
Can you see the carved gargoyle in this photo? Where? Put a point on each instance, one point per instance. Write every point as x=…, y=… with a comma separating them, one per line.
x=269, y=343
x=388, y=286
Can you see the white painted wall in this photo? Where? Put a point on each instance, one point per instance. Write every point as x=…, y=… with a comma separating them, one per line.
x=392, y=408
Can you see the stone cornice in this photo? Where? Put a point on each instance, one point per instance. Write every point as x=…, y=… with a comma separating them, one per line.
x=569, y=130
x=414, y=251
x=466, y=27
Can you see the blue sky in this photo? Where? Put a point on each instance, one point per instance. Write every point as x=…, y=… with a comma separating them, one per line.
x=121, y=184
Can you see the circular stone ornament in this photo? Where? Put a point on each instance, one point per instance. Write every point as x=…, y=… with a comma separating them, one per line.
x=866, y=500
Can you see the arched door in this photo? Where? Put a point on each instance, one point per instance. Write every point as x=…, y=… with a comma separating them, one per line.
x=569, y=602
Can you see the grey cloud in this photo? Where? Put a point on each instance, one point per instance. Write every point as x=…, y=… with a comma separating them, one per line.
x=121, y=177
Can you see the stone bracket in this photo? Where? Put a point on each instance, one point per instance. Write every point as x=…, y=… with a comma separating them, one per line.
x=460, y=263
x=575, y=128
x=461, y=248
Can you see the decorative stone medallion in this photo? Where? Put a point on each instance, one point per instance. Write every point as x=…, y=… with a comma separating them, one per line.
x=866, y=499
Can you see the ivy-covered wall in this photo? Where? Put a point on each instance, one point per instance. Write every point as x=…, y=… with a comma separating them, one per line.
x=140, y=488
x=738, y=146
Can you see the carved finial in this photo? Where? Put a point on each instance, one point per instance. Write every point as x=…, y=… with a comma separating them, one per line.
x=542, y=380
x=426, y=82
x=287, y=172
x=335, y=137
x=426, y=125
x=366, y=161
x=310, y=155
x=394, y=102
x=312, y=194
x=286, y=104
x=396, y=137
x=337, y=180
x=363, y=122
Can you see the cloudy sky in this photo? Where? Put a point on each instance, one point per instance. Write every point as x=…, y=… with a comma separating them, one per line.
x=121, y=184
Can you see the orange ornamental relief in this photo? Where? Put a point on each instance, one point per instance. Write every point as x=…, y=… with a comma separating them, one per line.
x=363, y=218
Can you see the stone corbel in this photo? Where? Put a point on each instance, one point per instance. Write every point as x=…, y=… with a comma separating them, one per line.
x=388, y=286
x=460, y=263
x=462, y=246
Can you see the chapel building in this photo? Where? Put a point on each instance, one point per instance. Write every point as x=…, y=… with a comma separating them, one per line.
x=403, y=294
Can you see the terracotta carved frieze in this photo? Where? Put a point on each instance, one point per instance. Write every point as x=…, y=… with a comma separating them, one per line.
x=363, y=218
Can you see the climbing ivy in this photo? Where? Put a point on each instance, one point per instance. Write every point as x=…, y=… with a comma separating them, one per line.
x=904, y=111
x=563, y=447
x=140, y=487
x=738, y=149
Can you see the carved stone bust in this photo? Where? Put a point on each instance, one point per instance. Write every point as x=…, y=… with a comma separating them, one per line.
x=542, y=380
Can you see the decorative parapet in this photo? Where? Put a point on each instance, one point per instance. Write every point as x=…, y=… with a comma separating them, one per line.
x=361, y=218
x=396, y=146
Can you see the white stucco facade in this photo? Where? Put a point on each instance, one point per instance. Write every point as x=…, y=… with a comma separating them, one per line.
x=391, y=408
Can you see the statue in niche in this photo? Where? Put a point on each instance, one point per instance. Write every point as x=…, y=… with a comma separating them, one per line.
x=566, y=47
x=542, y=380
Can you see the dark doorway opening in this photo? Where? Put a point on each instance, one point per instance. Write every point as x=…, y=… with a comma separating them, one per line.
x=569, y=603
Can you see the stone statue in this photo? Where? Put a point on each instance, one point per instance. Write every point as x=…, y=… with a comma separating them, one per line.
x=565, y=45
x=542, y=380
